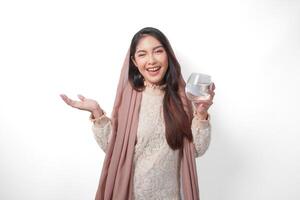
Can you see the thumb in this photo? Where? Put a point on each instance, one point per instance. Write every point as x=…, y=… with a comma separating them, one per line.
x=82, y=98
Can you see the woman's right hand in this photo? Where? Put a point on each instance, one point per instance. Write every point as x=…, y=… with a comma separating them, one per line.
x=85, y=104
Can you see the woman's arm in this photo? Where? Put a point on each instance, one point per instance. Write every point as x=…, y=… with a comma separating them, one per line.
x=102, y=129
x=201, y=131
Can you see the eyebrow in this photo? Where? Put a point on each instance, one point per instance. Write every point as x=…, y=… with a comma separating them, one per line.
x=153, y=49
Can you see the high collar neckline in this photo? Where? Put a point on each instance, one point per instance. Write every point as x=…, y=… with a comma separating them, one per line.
x=154, y=86
x=154, y=89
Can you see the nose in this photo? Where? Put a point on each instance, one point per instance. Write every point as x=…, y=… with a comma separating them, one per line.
x=151, y=59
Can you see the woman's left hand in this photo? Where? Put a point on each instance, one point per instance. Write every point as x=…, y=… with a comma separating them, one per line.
x=203, y=105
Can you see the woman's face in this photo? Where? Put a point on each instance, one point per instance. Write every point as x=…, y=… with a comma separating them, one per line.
x=151, y=59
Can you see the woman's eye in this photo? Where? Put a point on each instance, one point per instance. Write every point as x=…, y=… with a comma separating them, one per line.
x=159, y=51
x=140, y=55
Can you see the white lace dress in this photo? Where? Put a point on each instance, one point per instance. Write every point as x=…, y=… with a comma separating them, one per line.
x=156, y=166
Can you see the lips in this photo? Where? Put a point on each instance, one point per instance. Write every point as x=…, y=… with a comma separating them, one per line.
x=153, y=69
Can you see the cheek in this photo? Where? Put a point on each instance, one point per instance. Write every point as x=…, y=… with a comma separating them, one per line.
x=164, y=60
x=140, y=63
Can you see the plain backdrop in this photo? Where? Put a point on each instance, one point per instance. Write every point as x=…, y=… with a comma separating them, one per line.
x=250, y=48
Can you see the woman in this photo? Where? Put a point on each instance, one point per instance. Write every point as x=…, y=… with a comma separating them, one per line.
x=155, y=133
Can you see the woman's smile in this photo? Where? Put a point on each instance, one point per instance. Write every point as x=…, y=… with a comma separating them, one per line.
x=153, y=71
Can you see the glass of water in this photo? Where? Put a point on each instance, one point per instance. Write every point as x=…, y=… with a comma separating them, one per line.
x=197, y=87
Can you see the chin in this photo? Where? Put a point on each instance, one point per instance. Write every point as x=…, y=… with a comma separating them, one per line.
x=155, y=81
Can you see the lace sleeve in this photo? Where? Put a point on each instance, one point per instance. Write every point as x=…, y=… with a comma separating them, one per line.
x=102, y=129
x=201, y=131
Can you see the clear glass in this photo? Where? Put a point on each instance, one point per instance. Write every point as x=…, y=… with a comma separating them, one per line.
x=197, y=87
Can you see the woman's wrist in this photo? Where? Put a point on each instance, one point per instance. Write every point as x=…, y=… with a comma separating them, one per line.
x=202, y=115
x=98, y=112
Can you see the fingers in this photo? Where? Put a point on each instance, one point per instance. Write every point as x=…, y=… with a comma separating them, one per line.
x=211, y=94
x=67, y=100
x=212, y=86
x=203, y=107
x=204, y=104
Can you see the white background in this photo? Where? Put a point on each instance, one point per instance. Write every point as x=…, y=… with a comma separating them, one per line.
x=251, y=49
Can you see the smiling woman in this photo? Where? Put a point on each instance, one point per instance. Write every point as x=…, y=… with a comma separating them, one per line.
x=154, y=135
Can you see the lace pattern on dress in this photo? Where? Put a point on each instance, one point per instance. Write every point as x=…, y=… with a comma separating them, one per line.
x=102, y=129
x=201, y=131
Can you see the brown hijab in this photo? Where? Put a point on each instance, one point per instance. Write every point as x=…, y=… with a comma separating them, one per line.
x=116, y=181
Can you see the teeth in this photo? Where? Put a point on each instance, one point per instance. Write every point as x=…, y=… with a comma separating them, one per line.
x=153, y=69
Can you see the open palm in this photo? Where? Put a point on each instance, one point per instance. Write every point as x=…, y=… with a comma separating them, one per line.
x=83, y=104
